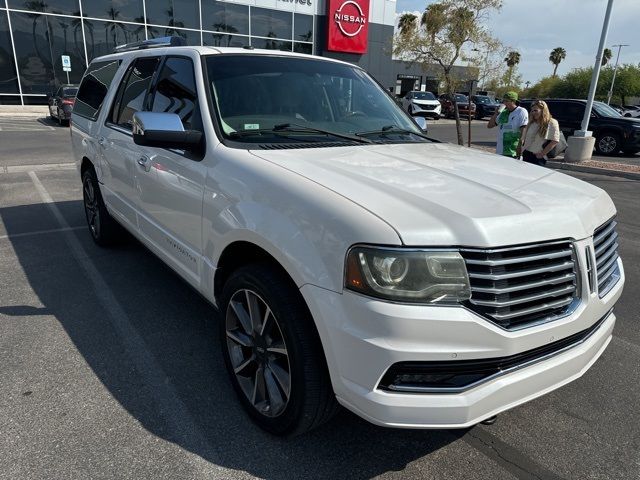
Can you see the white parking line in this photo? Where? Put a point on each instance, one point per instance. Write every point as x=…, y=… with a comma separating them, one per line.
x=39, y=232
x=38, y=167
x=184, y=431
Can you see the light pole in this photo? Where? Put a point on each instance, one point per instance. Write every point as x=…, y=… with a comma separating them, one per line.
x=484, y=69
x=615, y=70
x=580, y=145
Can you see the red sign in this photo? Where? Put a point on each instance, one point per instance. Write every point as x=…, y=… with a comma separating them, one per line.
x=348, y=25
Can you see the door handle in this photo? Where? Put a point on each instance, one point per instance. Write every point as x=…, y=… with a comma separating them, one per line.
x=144, y=162
x=102, y=141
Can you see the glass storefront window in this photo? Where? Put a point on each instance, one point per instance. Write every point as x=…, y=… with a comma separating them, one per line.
x=225, y=17
x=223, y=40
x=129, y=10
x=66, y=7
x=8, y=76
x=303, y=48
x=103, y=37
x=270, y=44
x=303, y=27
x=174, y=13
x=191, y=37
x=40, y=41
x=271, y=23
x=10, y=100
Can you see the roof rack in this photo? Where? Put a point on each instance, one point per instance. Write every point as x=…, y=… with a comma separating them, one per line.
x=152, y=43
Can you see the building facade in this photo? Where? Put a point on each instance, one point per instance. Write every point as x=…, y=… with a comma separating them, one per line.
x=36, y=34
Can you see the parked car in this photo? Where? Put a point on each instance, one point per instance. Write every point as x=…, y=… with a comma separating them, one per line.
x=423, y=104
x=485, y=105
x=448, y=110
x=632, y=111
x=61, y=103
x=352, y=260
x=612, y=131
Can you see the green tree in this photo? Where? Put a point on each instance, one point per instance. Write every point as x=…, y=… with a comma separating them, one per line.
x=556, y=56
x=606, y=56
x=512, y=59
x=407, y=23
x=447, y=27
x=544, y=88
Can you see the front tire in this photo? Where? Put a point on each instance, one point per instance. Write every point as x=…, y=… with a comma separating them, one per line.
x=272, y=352
x=608, y=144
x=103, y=228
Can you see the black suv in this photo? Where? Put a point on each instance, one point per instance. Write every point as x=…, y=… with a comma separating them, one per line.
x=612, y=131
x=485, y=105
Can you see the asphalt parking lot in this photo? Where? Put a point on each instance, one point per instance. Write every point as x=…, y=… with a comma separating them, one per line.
x=109, y=366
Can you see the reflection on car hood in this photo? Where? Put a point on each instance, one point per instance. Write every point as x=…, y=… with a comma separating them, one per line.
x=443, y=194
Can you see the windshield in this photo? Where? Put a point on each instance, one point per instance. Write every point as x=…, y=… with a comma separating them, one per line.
x=424, y=96
x=461, y=98
x=605, y=110
x=306, y=100
x=70, y=92
x=482, y=99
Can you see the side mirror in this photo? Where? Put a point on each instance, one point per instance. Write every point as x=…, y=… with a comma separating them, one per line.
x=163, y=130
x=421, y=122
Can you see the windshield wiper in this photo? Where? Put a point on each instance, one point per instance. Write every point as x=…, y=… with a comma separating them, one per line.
x=294, y=127
x=286, y=128
x=393, y=129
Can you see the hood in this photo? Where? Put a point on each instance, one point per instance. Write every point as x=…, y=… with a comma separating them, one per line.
x=626, y=121
x=441, y=194
x=425, y=102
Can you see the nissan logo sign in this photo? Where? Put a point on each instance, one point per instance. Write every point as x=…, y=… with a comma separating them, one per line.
x=350, y=18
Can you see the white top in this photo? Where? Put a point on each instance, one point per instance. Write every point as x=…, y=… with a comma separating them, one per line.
x=517, y=119
x=534, y=142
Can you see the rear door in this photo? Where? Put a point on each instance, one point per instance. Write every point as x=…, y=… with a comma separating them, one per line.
x=119, y=153
x=170, y=182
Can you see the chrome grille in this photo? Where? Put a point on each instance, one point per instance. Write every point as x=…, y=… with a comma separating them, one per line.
x=516, y=287
x=605, y=248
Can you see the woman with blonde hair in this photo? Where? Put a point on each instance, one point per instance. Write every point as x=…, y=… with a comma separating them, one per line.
x=541, y=135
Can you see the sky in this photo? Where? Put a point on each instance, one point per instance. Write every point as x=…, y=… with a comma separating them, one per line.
x=534, y=28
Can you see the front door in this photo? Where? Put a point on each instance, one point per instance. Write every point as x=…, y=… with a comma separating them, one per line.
x=119, y=153
x=170, y=183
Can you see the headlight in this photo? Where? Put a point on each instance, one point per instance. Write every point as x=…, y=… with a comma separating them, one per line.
x=403, y=275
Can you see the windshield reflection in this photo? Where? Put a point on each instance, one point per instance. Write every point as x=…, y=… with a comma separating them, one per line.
x=252, y=94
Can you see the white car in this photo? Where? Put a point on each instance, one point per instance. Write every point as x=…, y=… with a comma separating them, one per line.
x=423, y=104
x=352, y=260
x=631, y=111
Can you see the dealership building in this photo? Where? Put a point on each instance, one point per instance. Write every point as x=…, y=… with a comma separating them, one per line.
x=35, y=36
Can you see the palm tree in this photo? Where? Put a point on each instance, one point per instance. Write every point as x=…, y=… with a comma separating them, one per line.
x=512, y=59
x=556, y=56
x=606, y=56
x=407, y=23
x=434, y=18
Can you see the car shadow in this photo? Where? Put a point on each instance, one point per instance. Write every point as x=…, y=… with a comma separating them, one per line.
x=178, y=329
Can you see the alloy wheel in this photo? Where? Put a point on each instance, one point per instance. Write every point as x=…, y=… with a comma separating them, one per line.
x=258, y=353
x=91, y=206
x=607, y=144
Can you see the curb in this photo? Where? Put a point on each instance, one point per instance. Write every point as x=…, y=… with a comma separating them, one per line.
x=599, y=171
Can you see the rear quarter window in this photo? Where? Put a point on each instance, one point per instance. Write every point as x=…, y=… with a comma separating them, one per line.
x=94, y=87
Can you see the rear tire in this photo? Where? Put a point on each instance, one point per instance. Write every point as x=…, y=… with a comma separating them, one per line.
x=103, y=228
x=273, y=353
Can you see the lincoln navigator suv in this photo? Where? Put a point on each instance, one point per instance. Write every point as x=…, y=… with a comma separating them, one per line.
x=351, y=259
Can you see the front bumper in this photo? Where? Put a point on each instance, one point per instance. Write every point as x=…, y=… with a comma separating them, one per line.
x=426, y=110
x=364, y=337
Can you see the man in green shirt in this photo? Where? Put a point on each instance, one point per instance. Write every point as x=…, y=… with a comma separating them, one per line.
x=511, y=122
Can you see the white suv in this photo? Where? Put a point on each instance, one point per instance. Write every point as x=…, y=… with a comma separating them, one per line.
x=352, y=259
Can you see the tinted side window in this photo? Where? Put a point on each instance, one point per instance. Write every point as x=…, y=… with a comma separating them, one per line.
x=557, y=109
x=175, y=92
x=133, y=91
x=94, y=88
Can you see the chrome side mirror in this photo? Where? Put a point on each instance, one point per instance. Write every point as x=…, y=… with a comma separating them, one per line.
x=421, y=122
x=163, y=130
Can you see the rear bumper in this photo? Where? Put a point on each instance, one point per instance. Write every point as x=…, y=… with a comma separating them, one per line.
x=363, y=338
